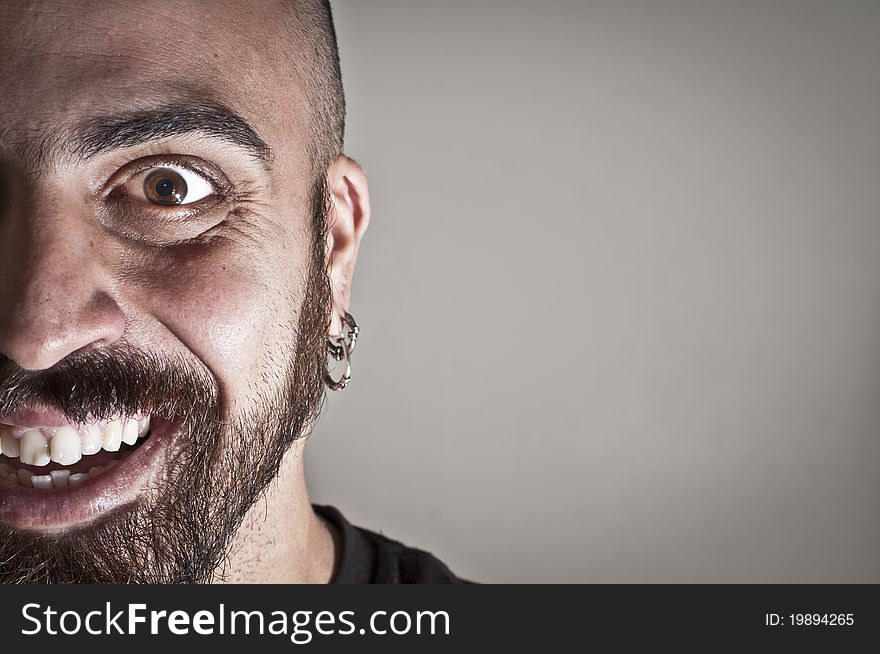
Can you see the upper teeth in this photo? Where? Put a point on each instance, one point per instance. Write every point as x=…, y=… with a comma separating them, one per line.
x=67, y=445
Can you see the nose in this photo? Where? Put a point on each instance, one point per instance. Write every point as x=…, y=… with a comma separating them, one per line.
x=55, y=292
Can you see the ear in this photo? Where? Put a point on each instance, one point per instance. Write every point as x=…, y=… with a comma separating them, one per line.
x=349, y=217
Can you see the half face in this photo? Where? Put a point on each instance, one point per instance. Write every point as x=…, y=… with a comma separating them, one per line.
x=163, y=300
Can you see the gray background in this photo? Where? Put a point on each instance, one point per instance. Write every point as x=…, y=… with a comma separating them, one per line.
x=621, y=293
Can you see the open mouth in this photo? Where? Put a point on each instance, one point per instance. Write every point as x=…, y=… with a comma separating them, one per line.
x=55, y=458
x=56, y=475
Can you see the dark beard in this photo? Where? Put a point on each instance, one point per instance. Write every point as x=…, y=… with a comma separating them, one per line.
x=217, y=470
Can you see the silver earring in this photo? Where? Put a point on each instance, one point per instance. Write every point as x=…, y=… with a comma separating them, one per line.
x=340, y=348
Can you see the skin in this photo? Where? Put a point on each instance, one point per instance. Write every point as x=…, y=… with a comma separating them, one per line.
x=222, y=287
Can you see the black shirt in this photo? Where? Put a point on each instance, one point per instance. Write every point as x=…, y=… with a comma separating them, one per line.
x=365, y=557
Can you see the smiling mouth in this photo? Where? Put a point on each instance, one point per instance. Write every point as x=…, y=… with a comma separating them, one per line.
x=66, y=456
x=56, y=475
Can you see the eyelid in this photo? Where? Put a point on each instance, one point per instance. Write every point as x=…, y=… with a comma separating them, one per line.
x=198, y=166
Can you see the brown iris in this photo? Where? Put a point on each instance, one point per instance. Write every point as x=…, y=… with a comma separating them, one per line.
x=165, y=186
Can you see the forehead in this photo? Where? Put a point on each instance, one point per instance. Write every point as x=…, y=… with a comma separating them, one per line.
x=62, y=61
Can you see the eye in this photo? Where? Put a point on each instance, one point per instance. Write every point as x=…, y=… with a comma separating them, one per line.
x=168, y=186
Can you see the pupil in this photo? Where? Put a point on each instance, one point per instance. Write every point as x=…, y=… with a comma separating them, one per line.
x=165, y=187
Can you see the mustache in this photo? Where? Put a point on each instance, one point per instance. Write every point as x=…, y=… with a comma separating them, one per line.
x=115, y=380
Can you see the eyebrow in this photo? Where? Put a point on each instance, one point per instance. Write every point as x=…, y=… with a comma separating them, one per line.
x=104, y=134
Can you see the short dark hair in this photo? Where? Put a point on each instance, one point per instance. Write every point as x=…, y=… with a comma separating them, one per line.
x=316, y=59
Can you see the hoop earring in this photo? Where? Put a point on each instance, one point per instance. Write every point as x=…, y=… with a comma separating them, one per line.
x=340, y=348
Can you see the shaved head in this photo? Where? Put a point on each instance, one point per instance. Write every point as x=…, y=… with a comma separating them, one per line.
x=317, y=65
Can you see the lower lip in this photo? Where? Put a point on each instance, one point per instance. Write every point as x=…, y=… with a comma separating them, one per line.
x=54, y=510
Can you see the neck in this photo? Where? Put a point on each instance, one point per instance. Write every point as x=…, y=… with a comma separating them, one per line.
x=281, y=539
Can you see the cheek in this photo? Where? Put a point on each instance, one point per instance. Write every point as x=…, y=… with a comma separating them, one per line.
x=233, y=316
x=225, y=323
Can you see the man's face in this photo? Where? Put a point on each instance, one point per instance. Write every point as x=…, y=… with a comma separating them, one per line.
x=161, y=277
